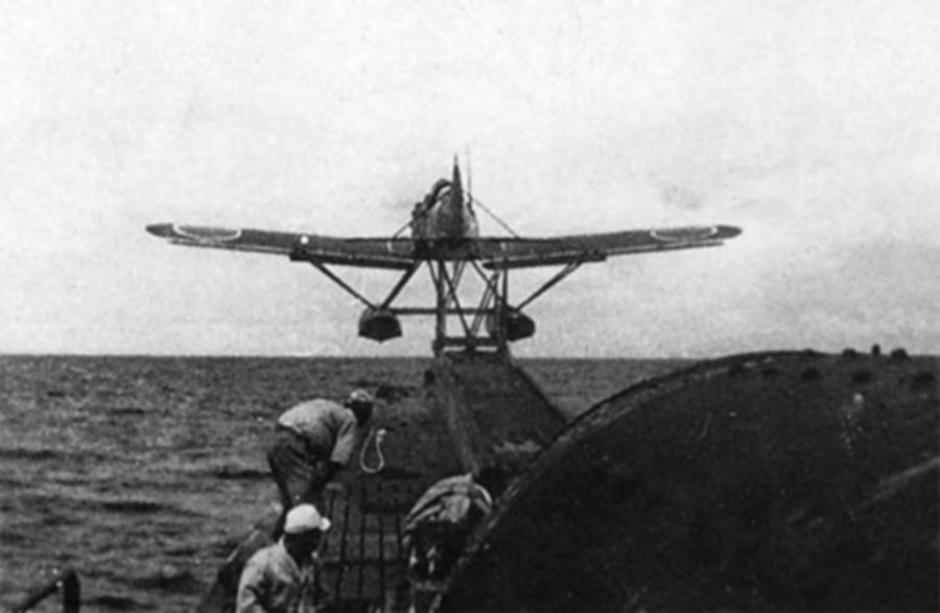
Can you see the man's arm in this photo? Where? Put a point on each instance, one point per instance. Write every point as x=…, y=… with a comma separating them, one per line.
x=346, y=439
x=251, y=588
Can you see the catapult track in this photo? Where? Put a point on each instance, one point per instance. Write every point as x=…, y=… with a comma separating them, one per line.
x=485, y=400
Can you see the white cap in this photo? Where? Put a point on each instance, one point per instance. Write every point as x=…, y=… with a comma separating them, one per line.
x=360, y=396
x=303, y=518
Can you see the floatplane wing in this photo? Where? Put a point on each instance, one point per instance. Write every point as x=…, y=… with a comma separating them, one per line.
x=401, y=253
x=395, y=253
x=501, y=253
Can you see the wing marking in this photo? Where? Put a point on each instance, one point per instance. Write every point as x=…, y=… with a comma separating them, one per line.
x=207, y=234
x=688, y=233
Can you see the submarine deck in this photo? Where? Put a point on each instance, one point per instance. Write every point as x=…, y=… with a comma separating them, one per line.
x=476, y=410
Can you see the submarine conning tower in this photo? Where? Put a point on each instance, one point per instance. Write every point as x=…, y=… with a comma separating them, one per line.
x=772, y=481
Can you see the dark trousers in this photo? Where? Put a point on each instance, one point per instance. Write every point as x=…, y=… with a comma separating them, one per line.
x=300, y=475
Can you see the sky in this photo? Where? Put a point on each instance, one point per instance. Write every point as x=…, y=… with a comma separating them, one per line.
x=813, y=126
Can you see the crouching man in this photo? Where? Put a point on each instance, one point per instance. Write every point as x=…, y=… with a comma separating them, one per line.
x=282, y=578
x=311, y=443
x=436, y=531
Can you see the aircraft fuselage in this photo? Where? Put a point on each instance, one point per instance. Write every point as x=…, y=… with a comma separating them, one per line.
x=445, y=217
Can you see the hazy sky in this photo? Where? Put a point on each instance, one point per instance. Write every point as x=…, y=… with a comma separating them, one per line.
x=815, y=126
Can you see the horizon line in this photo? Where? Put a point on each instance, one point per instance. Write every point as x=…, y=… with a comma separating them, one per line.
x=29, y=354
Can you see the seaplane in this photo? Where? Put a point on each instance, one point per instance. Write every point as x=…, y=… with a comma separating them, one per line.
x=445, y=238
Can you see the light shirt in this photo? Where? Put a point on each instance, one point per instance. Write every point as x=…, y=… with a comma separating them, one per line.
x=272, y=582
x=329, y=427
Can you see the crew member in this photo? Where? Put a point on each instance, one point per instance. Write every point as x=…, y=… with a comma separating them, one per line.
x=312, y=442
x=281, y=578
x=437, y=526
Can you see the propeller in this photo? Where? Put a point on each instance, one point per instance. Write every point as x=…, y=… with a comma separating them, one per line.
x=469, y=176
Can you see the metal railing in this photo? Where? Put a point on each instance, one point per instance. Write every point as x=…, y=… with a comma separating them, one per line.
x=364, y=559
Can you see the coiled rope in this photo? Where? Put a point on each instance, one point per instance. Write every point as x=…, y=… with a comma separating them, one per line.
x=378, y=435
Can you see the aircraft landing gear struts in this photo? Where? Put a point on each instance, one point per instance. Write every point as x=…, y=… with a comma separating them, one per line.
x=493, y=322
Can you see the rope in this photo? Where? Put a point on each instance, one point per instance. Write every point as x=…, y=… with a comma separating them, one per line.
x=379, y=436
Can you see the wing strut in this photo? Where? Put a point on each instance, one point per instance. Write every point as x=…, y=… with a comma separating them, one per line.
x=448, y=285
x=406, y=276
x=489, y=294
x=569, y=268
x=333, y=277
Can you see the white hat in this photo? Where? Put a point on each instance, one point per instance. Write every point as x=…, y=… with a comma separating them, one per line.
x=360, y=396
x=305, y=517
